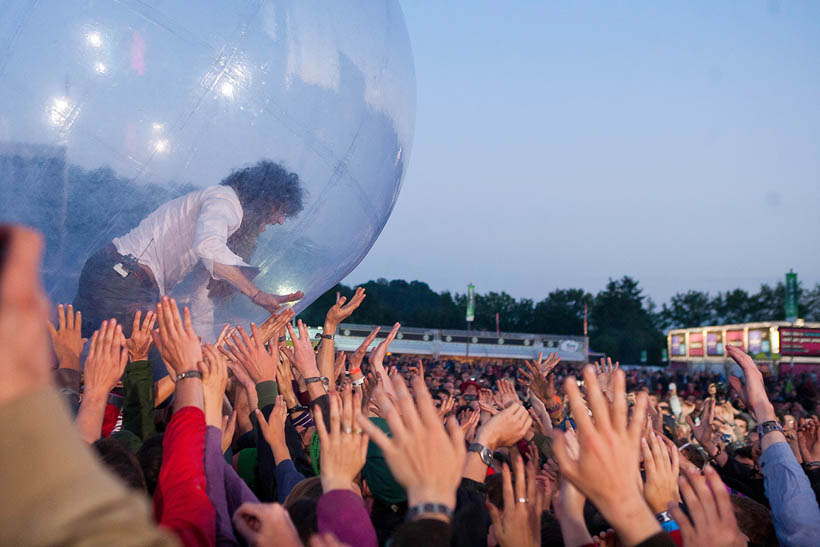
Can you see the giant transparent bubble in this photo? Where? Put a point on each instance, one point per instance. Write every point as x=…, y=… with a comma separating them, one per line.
x=109, y=109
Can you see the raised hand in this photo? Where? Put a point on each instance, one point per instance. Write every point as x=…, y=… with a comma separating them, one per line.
x=228, y=430
x=505, y=428
x=662, y=466
x=264, y=524
x=751, y=391
x=343, y=309
x=506, y=390
x=273, y=429
x=808, y=439
x=302, y=355
x=344, y=447
x=175, y=338
x=423, y=456
x=214, y=380
x=250, y=352
x=24, y=354
x=712, y=522
x=67, y=338
x=141, y=338
x=606, y=469
x=104, y=366
x=357, y=356
x=106, y=360
x=274, y=326
x=542, y=386
x=446, y=406
x=338, y=366
x=377, y=354
x=604, y=372
x=520, y=523
x=284, y=379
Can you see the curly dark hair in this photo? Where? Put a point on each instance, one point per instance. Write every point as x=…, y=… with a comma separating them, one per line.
x=261, y=188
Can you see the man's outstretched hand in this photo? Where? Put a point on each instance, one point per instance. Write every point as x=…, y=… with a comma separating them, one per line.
x=272, y=302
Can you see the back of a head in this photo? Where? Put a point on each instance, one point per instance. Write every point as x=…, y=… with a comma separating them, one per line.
x=149, y=457
x=116, y=456
x=309, y=488
x=754, y=520
x=264, y=186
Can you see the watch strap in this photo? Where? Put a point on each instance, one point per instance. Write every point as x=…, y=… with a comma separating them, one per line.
x=484, y=452
x=189, y=374
x=425, y=508
x=767, y=427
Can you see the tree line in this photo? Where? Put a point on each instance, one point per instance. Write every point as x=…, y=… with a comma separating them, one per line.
x=623, y=321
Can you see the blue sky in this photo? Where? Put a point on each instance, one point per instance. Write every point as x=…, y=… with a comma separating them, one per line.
x=559, y=144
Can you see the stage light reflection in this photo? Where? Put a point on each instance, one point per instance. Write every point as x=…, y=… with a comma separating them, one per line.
x=94, y=39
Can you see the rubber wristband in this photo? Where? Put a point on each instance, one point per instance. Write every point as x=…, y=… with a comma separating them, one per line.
x=423, y=508
x=357, y=383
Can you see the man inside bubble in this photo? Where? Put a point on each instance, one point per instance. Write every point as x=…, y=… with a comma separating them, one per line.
x=217, y=227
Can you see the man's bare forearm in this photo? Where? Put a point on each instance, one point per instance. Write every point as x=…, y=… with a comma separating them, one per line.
x=234, y=276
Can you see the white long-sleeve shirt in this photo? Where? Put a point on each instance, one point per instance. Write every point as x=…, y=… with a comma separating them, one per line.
x=184, y=231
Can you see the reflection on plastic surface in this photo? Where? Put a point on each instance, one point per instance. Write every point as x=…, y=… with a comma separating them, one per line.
x=109, y=109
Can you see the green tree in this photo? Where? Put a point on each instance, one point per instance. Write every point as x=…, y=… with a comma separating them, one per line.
x=689, y=309
x=622, y=325
x=561, y=312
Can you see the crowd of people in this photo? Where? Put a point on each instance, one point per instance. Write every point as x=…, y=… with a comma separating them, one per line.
x=268, y=437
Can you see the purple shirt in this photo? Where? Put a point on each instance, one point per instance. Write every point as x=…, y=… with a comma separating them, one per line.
x=226, y=490
x=343, y=513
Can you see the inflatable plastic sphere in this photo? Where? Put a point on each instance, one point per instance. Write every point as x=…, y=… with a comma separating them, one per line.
x=110, y=109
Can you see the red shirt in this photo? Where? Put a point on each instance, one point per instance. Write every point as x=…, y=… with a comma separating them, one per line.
x=181, y=499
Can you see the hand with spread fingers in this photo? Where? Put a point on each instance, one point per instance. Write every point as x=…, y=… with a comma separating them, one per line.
x=344, y=446
x=424, y=456
x=604, y=371
x=711, y=521
x=302, y=355
x=541, y=385
x=140, y=342
x=343, y=309
x=273, y=429
x=249, y=351
x=272, y=327
x=606, y=470
x=520, y=523
x=67, y=339
x=507, y=391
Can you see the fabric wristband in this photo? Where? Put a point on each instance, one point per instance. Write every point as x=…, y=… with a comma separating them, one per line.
x=422, y=508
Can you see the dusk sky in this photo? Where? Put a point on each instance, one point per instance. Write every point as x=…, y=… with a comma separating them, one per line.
x=559, y=144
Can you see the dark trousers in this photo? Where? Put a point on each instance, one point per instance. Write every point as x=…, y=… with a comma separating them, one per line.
x=103, y=293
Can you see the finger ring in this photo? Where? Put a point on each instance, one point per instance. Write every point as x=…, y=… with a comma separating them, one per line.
x=348, y=430
x=357, y=431
x=523, y=500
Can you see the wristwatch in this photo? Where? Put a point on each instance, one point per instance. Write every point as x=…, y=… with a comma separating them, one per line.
x=325, y=336
x=484, y=452
x=768, y=427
